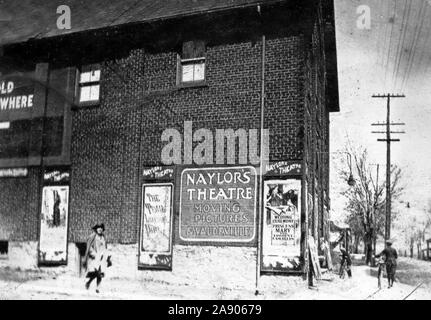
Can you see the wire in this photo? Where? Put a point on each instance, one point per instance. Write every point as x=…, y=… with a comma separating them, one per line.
x=390, y=41
x=402, y=44
x=399, y=46
x=425, y=49
x=386, y=36
x=422, y=14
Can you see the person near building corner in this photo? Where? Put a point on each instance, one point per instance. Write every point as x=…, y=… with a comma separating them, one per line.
x=391, y=257
x=96, y=258
x=346, y=262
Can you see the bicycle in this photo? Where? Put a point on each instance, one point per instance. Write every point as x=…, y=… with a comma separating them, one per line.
x=381, y=267
x=345, y=268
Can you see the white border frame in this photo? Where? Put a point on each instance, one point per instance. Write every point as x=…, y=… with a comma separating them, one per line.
x=254, y=173
x=51, y=262
x=142, y=219
x=265, y=226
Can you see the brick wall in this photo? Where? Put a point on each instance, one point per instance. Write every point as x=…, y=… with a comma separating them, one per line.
x=109, y=146
x=19, y=207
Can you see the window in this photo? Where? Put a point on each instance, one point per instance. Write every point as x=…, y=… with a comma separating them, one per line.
x=191, y=66
x=89, y=85
x=4, y=248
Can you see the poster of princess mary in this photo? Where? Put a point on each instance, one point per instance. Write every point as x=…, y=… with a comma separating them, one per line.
x=53, y=225
x=282, y=224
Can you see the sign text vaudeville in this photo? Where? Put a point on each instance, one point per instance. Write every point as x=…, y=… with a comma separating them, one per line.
x=218, y=204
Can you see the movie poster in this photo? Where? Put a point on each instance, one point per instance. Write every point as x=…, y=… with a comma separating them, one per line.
x=53, y=226
x=281, y=246
x=156, y=229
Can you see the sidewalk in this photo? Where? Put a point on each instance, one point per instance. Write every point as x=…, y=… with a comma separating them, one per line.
x=362, y=286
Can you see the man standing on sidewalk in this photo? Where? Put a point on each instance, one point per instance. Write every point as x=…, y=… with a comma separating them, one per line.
x=391, y=257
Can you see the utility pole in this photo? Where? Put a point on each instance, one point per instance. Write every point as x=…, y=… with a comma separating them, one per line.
x=388, y=141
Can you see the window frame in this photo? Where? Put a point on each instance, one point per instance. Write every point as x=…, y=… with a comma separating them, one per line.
x=79, y=85
x=191, y=61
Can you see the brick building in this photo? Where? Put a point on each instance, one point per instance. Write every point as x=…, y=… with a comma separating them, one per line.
x=83, y=125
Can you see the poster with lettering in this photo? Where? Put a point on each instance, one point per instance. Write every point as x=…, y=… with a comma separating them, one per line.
x=156, y=229
x=281, y=243
x=218, y=204
x=16, y=98
x=53, y=225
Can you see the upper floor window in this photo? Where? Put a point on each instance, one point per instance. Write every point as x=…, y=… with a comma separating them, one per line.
x=191, y=65
x=89, y=85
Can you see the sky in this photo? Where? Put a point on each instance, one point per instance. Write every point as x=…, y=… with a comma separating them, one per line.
x=392, y=56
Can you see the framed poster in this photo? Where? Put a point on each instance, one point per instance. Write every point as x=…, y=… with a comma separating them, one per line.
x=53, y=225
x=218, y=205
x=281, y=233
x=155, y=245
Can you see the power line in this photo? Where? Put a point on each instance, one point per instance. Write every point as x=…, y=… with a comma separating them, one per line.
x=426, y=42
x=402, y=44
x=399, y=45
x=386, y=36
x=390, y=41
x=407, y=75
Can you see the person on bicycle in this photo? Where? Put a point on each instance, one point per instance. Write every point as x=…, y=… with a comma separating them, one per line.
x=346, y=262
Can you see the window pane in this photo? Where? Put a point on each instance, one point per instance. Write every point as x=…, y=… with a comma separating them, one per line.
x=187, y=74
x=199, y=72
x=85, y=94
x=95, y=75
x=85, y=77
x=94, y=95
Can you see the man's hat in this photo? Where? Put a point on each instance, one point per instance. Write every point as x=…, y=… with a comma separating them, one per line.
x=389, y=241
x=99, y=225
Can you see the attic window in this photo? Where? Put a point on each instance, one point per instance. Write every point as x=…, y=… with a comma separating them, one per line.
x=89, y=85
x=191, y=66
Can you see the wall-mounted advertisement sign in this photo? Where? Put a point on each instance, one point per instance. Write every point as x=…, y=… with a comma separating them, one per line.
x=53, y=225
x=155, y=245
x=218, y=204
x=55, y=176
x=158, y=173
x=281, y=237
x=283, y=168
x=54, y=216
x=13, y=172
x=16, y=98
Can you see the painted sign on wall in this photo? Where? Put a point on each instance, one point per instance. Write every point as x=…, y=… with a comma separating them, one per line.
x=16, y=96
x=156, y=226
x=283, y=168
x=13, y=172
x=53, y=225
x=218, y=204
x=281, y=238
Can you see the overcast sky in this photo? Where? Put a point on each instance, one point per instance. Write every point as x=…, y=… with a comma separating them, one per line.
x=396, y=49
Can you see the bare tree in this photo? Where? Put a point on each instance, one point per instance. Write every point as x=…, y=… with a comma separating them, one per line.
x=414, y=226
x=366, y=200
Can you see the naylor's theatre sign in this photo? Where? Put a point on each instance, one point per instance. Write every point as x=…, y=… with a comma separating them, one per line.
x=218, y=204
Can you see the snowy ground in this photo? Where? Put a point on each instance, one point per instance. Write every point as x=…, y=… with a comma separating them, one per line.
x=363, y=285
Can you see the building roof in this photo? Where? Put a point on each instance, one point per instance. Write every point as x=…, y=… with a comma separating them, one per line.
x=24, y=20
x=34, y=19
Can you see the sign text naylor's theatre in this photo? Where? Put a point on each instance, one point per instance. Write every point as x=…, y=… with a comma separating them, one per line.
x=15, y=96
x=218, y=204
